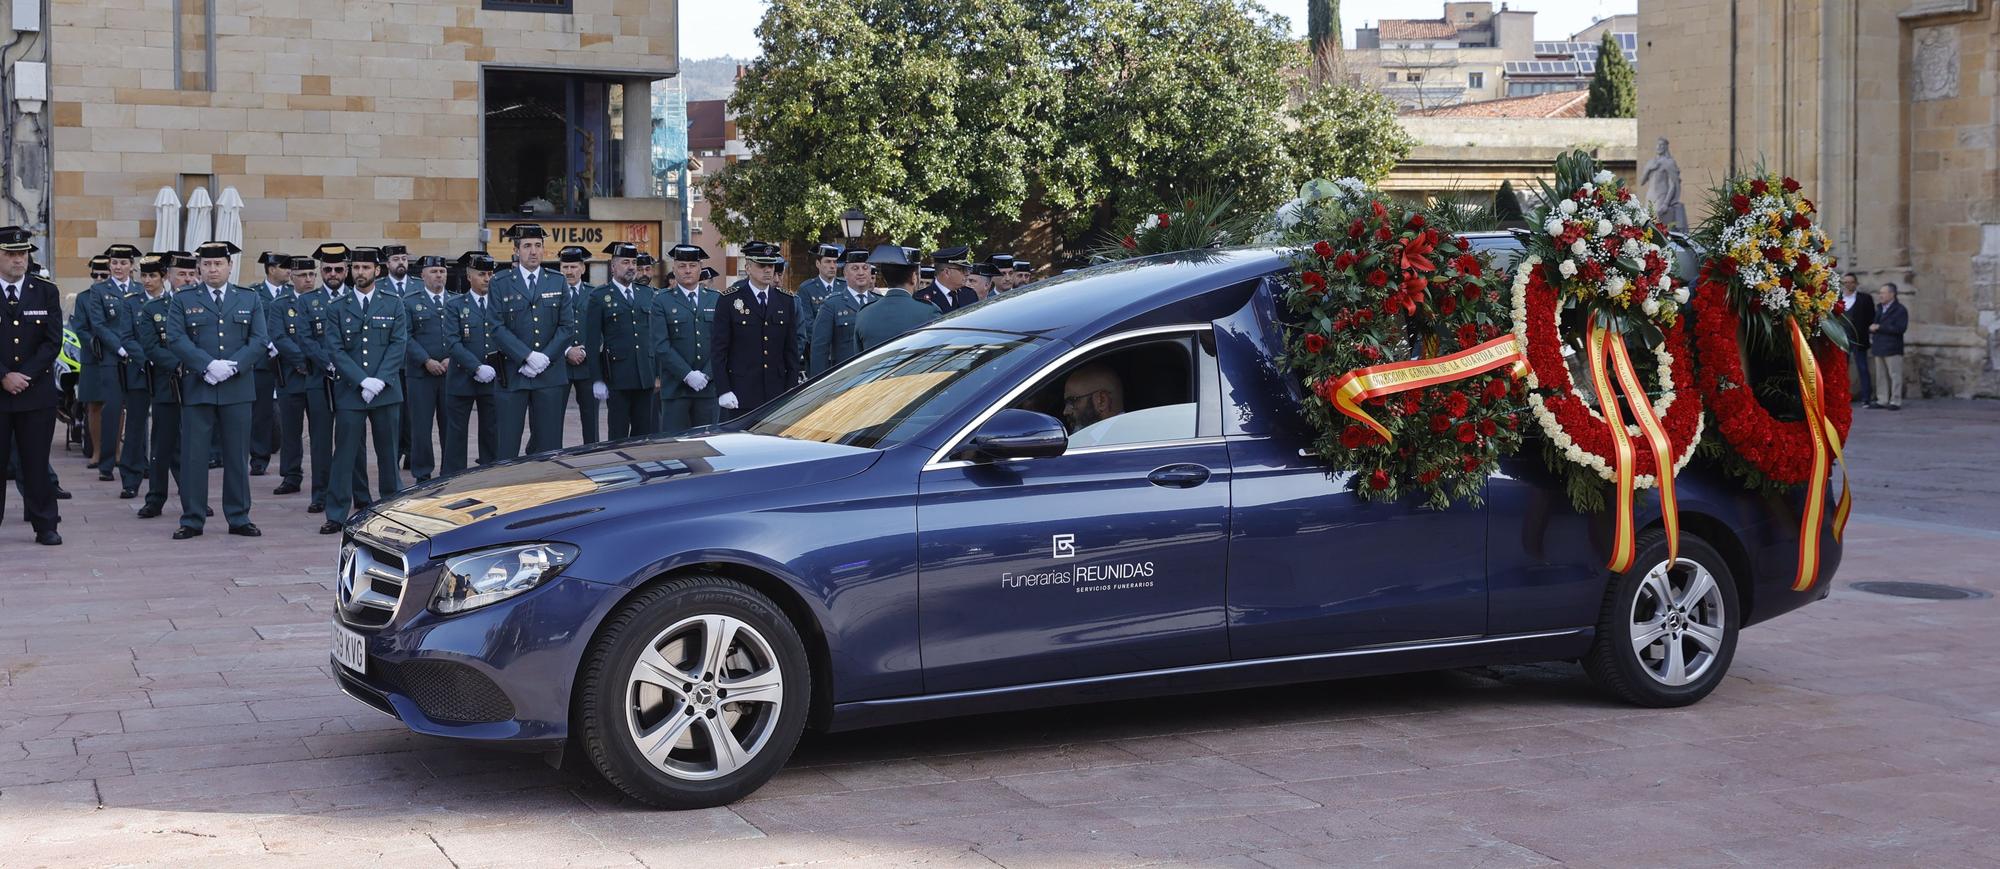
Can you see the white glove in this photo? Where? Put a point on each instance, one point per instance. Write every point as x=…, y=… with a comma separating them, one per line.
x=485, y=374
x=599, y=391
x=696, y=381
x=537, y=361
x=271, y=349
x=218, y=371
x=525, y=371
x=370, y=384
x=211, y=379
x=727, y=401
x=232, y=365
x=122, y=354
x=368, y=395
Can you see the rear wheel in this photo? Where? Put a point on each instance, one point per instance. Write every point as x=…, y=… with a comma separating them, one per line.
x=694, y=694
x=1667, y=631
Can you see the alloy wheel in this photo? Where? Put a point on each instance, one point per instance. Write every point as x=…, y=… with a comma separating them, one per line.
x=704, y=696
x=1677, y=625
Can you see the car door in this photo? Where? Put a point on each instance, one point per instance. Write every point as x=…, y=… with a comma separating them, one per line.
x=1312, y=567
x=1107, y=559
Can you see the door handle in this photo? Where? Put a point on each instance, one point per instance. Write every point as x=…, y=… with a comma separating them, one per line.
x=1179, y=476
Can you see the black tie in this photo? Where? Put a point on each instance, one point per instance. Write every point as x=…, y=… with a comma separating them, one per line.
x=13, y=295
x=217, y=296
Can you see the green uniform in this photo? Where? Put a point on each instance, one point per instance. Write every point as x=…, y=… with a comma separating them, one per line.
x=163, y=397
x=618, y=335
x=469, y=333
x=531, y=318
x=836, y=336
x=812, y=294
x=893, y=314
x=201, y=330
x=589, y=414
x=681, y=346
x=305, y=410
x=423, y=392
x=138, y=396
x=365, y=340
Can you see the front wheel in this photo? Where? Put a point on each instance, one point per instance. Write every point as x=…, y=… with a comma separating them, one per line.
x=694, y=695
x=1667, y=631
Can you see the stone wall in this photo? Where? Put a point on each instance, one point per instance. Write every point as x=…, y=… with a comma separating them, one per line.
x=350, y=120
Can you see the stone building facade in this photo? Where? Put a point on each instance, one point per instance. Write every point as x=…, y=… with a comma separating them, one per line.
x=425, y=122
x=1887, y=110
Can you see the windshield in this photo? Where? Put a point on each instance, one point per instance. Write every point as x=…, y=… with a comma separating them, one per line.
x=885, y=396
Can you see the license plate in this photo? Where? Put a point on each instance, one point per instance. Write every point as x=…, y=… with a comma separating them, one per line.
x=350, y=649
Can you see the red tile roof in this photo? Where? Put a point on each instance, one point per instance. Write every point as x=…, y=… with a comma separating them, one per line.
x=1561, y=104
x=1417, y=28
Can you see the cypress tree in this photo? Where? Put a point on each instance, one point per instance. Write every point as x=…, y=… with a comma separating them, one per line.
x=1613, y=93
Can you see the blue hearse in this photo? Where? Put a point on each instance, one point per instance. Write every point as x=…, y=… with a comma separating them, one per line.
x=1091, y=489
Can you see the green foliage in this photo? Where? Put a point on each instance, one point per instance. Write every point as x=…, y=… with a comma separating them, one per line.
x=1507, y=204
x=1613, y=88
x=1324, y=41
x=1346, y=132
x=1201, y=218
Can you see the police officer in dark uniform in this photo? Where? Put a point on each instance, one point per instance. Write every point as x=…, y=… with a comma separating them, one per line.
x=951, y=265
x=163, y=384
x=685, y=311
x=1024, y=274
x=535, y=329
x=306, y=406
x=219, y=332
x=574, y=263
x=98, y=321
x=897, y=311
x=396, y=276
x=834, y=337
x=367, y=336
x=424, y=372
x=469, y=326
x=754, y=338
x=981, y=282
x=618, y=338
x=277, y=286
x=646, y=265
x=137, y=397
x=31, y=324
x=708, y=276
x=813, y=291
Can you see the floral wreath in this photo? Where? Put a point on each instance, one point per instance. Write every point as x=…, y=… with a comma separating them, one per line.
x=1768, y=283
x=1396, y=329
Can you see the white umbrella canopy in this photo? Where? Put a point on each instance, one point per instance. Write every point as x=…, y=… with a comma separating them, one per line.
x=167, y=209
x=229, y=225
x=199, y=227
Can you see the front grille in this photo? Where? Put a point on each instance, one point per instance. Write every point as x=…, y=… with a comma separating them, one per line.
x=360, y=690
x=371, y=584
x=449, y=691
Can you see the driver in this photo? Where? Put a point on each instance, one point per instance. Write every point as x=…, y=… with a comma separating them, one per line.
x=1092, y=394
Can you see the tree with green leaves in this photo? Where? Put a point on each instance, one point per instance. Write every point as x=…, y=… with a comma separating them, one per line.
x=1346, y=131
x=1329, y=60
x=1613, y=89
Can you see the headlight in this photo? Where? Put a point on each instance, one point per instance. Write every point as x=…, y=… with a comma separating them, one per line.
x=480, y=578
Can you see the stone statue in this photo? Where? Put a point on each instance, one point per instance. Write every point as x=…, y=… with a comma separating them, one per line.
x=1662, y=180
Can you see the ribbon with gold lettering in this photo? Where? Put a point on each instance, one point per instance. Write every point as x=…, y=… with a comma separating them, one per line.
x=1656, y=438
x=1351, y=389
x=1623, y=457
x=1826, y=451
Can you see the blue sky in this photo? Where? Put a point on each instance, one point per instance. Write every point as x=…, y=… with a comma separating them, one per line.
x=710, y=29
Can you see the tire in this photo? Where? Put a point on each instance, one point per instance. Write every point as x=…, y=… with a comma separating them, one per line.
x=1633, y=655
x=657, y=741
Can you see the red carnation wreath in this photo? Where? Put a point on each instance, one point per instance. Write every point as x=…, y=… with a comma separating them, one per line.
x=1781, y=451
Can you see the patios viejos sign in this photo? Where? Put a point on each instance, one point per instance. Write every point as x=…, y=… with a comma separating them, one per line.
x=591, y=235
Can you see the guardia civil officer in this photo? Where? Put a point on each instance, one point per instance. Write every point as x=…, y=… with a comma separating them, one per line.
x=475, y=364
x=754, y=338
x=364, y=269
x=708, y=276
x=273, y=292
x=834, y=337
x=813, y=291
x=163, y=382
x=686, y=314
x=424, y=372
x=306, y=402
x=952, y=264
x=981, y=281
x=1024, y=274
x=135, y=398
x=618, y=336
x=31, y=324
x=367, y=336
x=535, y=330
x=897, y=311
x=219, y=332
x=574, y=263
x=396, y=277
x=647, y=273
x=98, y=320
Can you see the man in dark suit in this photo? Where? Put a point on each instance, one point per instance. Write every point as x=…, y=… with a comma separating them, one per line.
x=1860, y=315
x=754, y=337
x=1885, y=346
x=219, y=332
x=30, y=338
x=952, y=264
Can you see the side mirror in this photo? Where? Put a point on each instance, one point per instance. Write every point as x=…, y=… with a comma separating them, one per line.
x=1014, y=433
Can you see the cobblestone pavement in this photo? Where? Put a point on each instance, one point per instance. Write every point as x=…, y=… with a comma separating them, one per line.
x=169, y=703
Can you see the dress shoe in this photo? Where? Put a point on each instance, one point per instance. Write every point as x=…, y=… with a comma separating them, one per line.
x=1872, y=406
x=149, y=511
x=48, y=538
x=1893, y=407
x=286, y=489
x=208, y=511
x=247, y=529
x=104, y=476
x=62, y=494
x=315, y=508
x=184, y=532
x=329, y=527
x=214, y=463
x=127, y=494
x=257, y=470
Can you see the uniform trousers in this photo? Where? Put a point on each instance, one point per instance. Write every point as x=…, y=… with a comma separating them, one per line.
x=423, y=414
x=538, y=411
x=29, y=432
x=132, y=453
x=228, y=427
x=457, y=418
x=351, y=429
x=631, y=412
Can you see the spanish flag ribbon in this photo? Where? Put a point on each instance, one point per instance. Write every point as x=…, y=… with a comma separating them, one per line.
x=1623, y=456
x=1361, y=384
x=1656, y=438
x=1826, y=451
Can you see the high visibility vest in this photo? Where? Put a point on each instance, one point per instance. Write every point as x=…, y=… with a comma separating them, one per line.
x=72, y=349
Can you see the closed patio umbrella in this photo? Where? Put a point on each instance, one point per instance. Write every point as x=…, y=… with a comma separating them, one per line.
x=167, y=209
x=229, y=225
x=199, y=227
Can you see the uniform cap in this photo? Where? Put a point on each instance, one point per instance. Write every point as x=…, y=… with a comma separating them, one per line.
x=890, y=255
x=856, y=255
x=430, y=262
x=618, y=249
x=14, y=239
x=828, y=249
x=183, y=260
x=302, y=263
x=365, y=255
x=986, y=270
x=687, y=253
x=273, y=258
x=217, y=250
x=707, y=274
x=477, y=261
x=927, y=273
x=521, y=231
x=960, y=256
x=1022, y=266
x=573, y=254
x=389, y=250
x=331, y=252
x=153, y=263
x=645, y=259
x=100, y=263
x=761, y=252
x=122, y=251
x=1001, y=261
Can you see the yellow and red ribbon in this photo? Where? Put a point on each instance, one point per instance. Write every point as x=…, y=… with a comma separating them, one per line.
x=1826, y=452
x=1623, y=457
x=1361, y=384
x=1656, y=438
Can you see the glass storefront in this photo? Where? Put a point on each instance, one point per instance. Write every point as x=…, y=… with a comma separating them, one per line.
x=553, y=141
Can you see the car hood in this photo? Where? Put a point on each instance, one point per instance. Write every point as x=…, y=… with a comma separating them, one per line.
x=552, y=492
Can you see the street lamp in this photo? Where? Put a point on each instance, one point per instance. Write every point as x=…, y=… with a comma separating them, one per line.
x=853, y=223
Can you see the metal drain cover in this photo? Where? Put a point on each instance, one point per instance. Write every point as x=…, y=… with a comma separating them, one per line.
x=1919, y=590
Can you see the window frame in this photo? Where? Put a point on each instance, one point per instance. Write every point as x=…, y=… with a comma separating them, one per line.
x=557, y=7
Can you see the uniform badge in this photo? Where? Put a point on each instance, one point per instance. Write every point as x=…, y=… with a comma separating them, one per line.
x=740, y=309
x=159, y=318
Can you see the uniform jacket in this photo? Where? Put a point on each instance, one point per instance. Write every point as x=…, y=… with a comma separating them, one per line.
x=812, y=294
x=893, y=314
x=937, y=297
x=363, y=344
x=411, y=285
x=31, y=336
x=579, y=312
x=428, y=336
x=299, y=331
x=200, y=332
x=618, y=336
x=100, y=312
x=272, y=305
x=469, y=337
x=756, y=350
x=130, y=331
x=1894, y=318
x=162, y=365
x=681, y=340
x=834, y=335
x=531, y=319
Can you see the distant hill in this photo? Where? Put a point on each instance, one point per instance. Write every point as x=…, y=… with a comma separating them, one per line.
x=712, y=78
